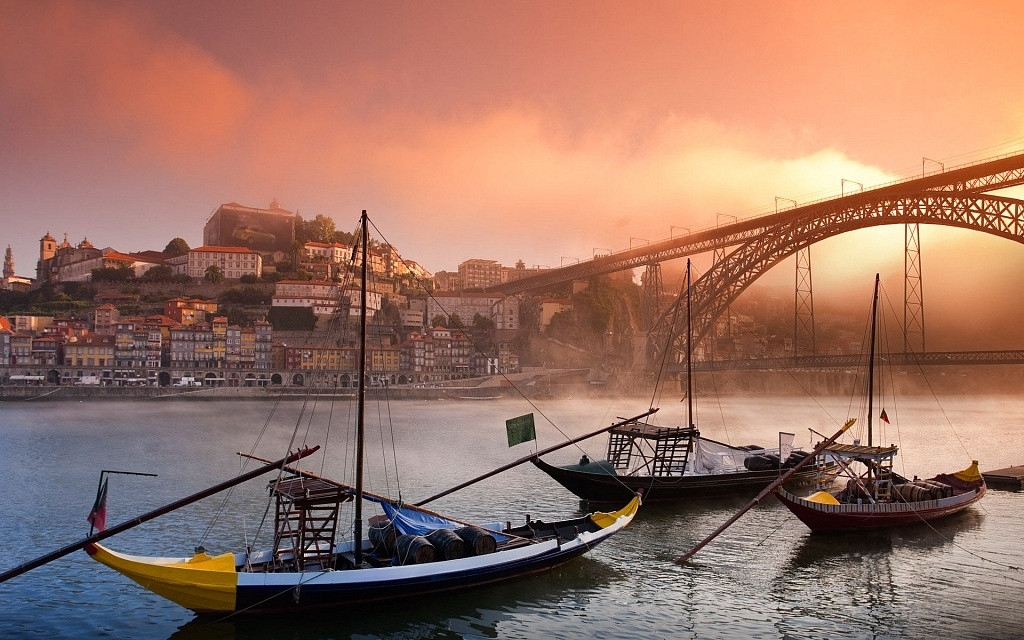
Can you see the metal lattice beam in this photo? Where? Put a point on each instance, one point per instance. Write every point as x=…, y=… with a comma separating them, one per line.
x=990, y=175
x=722, y=284
x=913, y=290
x=803, y=316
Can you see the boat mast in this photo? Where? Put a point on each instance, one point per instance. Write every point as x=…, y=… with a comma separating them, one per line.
x=357, y=543
x=689, y=351
x=871, y=356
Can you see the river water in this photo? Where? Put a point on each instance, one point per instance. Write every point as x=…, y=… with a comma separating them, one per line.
x=766, y=577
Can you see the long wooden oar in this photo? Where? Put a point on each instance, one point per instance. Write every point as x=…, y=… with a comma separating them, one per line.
x=124, y=526
x=377, y=497
x=534, y=455
x=770, y=488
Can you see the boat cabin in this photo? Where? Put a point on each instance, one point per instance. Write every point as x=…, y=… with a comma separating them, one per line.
x=645, y=449
x=870, y=482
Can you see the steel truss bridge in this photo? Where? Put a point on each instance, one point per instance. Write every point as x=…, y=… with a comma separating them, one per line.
x=956, y=197
x=904, y=359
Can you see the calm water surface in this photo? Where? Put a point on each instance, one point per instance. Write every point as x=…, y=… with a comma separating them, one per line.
x=766, y=577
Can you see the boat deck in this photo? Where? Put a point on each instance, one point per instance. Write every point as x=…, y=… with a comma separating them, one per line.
x=1008, y=478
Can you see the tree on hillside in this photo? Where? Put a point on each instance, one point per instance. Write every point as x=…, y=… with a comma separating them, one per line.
x=177, y=247
x=345, y=237
x=159, y=273
x=213, y=274
x=319, y=229
x=121, y=273
x=389, y=313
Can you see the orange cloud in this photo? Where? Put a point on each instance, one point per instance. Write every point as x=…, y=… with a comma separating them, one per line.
x=86, y=69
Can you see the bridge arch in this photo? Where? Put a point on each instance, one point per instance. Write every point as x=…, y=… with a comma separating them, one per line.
x=727, y=279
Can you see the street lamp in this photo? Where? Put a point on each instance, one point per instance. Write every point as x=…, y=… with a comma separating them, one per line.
x=942, y=167
x=777, y=198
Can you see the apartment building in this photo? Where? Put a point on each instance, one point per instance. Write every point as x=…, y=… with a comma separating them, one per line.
x=233, y=262
x=502, y=311
x=91, y=350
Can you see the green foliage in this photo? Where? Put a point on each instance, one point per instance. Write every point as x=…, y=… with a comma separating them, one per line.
x=439, y=321
x=213, y=274
x=177, y=247
x=319, y=229
x=601, y=318
x=248, y=278
x=60, y=307
x=273, y=276
x=291, y=318
x=482, y=322
x=79, y=290
x=123, y=273
x=159, y=273
x=12, y=301
x=245, y=295
x=389, y=314
x=344, y=237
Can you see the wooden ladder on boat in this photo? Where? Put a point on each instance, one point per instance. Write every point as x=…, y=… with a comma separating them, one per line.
x=883, y=483
x=306, y=522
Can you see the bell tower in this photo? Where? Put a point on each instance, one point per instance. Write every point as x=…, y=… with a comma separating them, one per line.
x=47, y=247
x=9, y=263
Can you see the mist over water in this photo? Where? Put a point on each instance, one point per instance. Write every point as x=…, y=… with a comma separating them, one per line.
x=766, y=577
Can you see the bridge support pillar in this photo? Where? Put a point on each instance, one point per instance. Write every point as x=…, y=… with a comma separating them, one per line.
x=913, y=291
x=804, y=342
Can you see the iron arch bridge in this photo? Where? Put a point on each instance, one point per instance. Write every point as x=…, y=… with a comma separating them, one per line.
x=970, y=179
x=956, y=197
x=724, y=281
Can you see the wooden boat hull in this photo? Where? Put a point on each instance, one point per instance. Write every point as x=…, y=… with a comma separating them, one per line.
x=608, y=488
x=823, y=518
x=217, y=585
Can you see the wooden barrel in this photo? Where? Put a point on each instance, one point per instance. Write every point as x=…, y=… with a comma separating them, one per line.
x=942, y=490
x=479, y=541
x=914, y=492
x=448, y=544
x=412, y=549
x=382, y=537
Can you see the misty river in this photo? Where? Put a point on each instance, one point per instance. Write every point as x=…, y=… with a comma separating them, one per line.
x=766, y=577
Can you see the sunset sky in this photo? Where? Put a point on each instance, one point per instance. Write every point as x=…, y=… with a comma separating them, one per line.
x=502, y=130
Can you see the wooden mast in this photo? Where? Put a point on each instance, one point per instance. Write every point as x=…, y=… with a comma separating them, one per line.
x=871, y=356
x=357, y=543
x=689, y=353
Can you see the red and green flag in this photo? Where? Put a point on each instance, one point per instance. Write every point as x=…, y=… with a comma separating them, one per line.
x=98, y=516
x=884, y=417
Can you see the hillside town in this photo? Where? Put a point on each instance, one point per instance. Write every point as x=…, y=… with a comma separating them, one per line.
x=115, y=331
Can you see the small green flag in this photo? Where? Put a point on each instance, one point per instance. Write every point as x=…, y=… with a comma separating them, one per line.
x=520, y=429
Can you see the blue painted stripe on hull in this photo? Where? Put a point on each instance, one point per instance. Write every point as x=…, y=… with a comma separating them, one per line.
x=311, y=595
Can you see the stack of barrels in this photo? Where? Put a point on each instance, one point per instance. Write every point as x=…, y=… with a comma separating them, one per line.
x=440, y=544
x=918, y=490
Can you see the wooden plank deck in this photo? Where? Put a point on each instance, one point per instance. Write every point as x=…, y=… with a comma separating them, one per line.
x=1009, y=478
